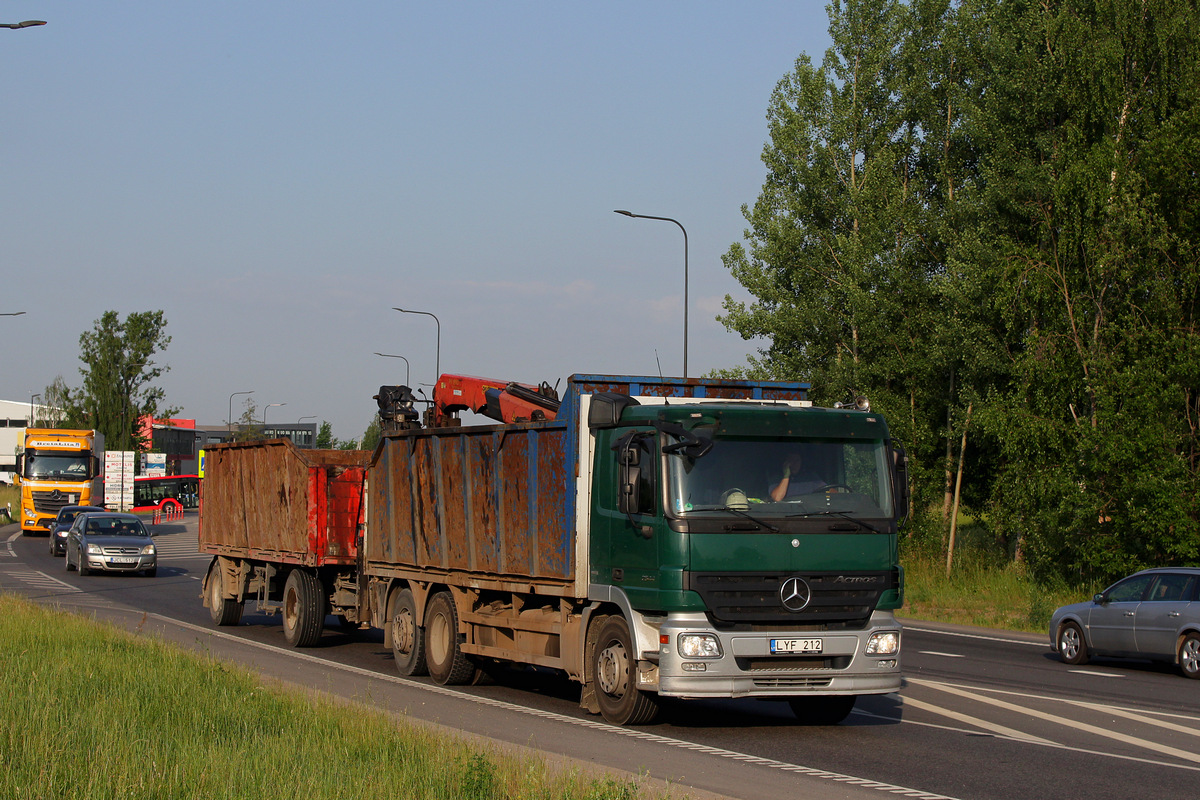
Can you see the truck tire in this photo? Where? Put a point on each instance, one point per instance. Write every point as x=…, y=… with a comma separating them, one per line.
x=303, y=609
x=408, y=640
x=447, y=663
x=614, y=671
x=223, y=610
x=822, y=709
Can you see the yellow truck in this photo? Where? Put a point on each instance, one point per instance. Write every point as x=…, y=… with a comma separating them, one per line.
x=58, y=467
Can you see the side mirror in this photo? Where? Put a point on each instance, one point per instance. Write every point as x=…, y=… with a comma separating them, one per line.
x=20, y=469
x=1098, y=599
x=95, y=467
x=606, y=407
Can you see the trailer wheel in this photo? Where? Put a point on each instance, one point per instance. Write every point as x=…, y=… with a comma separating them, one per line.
x=303, y=609
x=408, y=640
x=447, y=663
x=223, y=610
x=614, y=670
x=822, y=709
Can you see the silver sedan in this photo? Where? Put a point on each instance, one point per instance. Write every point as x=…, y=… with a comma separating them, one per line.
x=110, y=543
x=1153, y=614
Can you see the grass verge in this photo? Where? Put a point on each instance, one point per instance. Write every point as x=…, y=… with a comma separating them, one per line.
x=90, y=711
x=979, y=592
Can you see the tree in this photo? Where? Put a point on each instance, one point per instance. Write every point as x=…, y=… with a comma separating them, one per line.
x=248, y=428
x=325, y=440
x=843, y=245
x=1090, y=194
x=373, y=434
x=118, y=375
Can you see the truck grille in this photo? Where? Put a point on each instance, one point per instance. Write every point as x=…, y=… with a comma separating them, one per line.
x=843, y=598
x=53, y=502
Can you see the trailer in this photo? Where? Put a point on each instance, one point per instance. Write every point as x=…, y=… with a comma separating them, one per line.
x=282, y=524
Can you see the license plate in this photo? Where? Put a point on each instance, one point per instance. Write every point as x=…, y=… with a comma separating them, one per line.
x=796, y=645
x=122, y=561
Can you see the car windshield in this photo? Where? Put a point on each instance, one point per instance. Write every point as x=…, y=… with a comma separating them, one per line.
x=107, y=526
x=783, y=478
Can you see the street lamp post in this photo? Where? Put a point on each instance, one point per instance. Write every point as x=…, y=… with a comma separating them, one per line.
x=314, y=416
x=229, y=419
x=685, y=275
x=11, y=313
x=269, y=405
x=29, y=23
x=438, y=352
x=407, y=368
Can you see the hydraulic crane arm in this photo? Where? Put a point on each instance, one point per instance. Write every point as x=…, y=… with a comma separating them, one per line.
x=504, y=401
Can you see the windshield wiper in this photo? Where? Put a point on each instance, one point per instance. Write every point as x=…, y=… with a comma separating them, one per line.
x=843, y=514
x=753, y=519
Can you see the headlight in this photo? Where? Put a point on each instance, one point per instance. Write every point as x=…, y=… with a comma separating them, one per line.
x=699, y=645
x=94, y=550
x=884, y=643
x=148, y=550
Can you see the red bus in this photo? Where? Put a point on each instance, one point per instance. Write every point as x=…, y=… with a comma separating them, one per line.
x=170, y=491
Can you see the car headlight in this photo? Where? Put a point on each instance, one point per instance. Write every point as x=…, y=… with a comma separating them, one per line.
x=884, y=643
x=94, y=550
x=699, y=645
x=148, y=550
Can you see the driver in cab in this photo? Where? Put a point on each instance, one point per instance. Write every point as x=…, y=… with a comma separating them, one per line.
x=797, y=479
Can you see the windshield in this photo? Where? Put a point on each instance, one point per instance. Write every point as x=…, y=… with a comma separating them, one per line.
x=73, y=467
x=111, y=526
x=783, y=478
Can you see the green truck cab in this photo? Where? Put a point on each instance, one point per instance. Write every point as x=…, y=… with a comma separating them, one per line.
x=732, y=585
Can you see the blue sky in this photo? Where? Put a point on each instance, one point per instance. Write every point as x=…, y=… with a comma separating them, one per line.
x=277, y=176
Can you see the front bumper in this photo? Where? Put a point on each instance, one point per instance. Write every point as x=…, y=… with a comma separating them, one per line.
x=107, y=563
x=747, y=668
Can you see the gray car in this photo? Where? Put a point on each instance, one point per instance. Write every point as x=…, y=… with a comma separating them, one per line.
x=110, y=542
x=1153, y=614
x=62, y=524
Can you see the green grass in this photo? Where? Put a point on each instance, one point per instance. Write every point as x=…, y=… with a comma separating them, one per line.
x=980, y=591
x=89, y=711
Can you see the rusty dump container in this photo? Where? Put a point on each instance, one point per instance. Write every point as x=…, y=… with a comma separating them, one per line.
x=493, y=501
x=272, y=501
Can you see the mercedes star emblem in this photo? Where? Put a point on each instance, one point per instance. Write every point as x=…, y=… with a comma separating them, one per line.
x=795, y=594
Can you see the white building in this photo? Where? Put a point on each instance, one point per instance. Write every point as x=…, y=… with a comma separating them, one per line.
x=14, y=418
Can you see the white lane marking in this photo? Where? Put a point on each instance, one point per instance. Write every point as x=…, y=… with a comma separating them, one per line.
x=1059, y=719
x=1135, y=716
x=1045, y=646
x=1095, y=674
x=943, y=655
x=771, y=763
x=1000, y=730
x=1068, y=748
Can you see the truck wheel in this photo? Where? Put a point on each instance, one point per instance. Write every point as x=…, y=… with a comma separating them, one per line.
x=614, y=670
x=303, y=609
x=447, y=663
x=408, y=641
x=822, y=709
x=223, y=610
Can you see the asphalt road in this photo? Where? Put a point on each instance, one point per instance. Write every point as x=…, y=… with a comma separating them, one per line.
x=983, y=714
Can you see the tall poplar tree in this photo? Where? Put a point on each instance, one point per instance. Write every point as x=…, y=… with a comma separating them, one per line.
x=1089, y=142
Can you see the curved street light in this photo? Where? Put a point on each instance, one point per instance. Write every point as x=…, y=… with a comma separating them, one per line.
x=407, y=368
x=29, y=23
x=269, y=405
x=229, y=419
x=685, y=274
x=437, y=368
